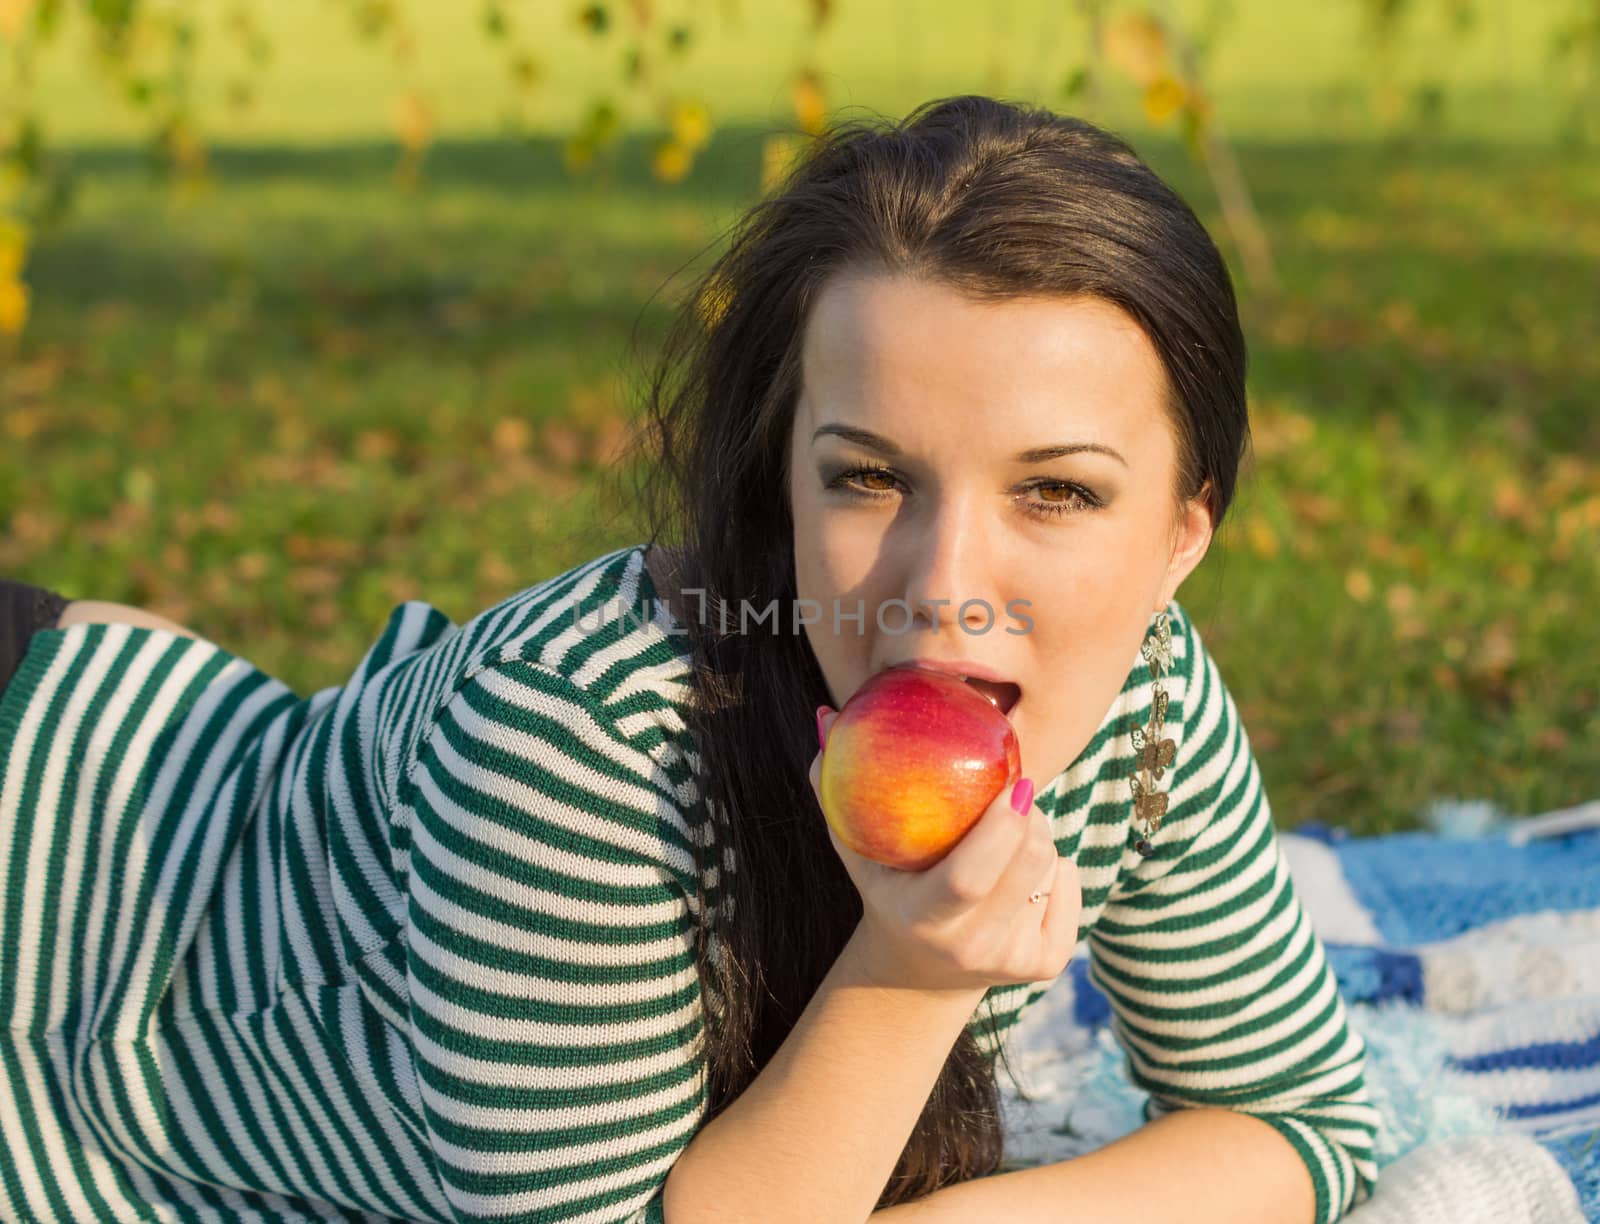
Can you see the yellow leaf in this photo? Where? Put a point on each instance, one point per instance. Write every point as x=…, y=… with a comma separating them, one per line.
x=691, y=124
x=1358, y=585
x=11, y=254
x=376, y=444
x=252, y=567
x=1516, y=575
x=413, y=120
x=778, y=153
x=13, y=307
x=495, y=570
x=186, y=150
x=1401, y=598
x=1510, y=502
x=22, y=423
x=12, y=14
x=805, y=93
x=671, y=162
x=1263, y=540
x=1136, y=43
x=511, y=436
x=1162, y=99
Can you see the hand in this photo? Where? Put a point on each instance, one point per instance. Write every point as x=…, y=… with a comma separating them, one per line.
x=966, y=922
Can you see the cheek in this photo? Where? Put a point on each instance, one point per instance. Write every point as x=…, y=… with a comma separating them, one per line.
x=1082, y=593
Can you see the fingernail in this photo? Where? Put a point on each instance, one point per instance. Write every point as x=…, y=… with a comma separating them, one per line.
x=1022, y=795
x=821, y=740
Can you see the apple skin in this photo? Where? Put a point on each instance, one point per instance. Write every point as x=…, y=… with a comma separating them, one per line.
x=912, y=761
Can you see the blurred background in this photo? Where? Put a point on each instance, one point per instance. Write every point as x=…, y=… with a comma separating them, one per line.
x=309, y=307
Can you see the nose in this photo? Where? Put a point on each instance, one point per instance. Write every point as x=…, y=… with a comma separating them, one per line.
x=948, y=560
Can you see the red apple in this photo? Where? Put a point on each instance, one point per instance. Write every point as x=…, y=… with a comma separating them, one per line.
x=914, y=758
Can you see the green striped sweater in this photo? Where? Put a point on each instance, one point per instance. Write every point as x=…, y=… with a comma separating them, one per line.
x=420, y=946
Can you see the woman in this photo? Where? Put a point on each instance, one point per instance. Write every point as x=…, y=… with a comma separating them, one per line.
x=537, y=918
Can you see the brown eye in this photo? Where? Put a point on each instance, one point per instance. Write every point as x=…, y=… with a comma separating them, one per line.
x=849, y=481
x=1057, y=498
x=871, y=474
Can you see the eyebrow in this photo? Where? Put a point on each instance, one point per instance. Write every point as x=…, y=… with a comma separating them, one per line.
x=1038, y=454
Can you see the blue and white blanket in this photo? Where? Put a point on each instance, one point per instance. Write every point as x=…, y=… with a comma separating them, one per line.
x=1469, y=958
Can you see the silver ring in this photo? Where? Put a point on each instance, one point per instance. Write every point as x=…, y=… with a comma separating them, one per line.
x=1037, y=896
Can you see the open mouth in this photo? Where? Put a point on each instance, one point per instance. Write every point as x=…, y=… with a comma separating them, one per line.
x=1003, y=695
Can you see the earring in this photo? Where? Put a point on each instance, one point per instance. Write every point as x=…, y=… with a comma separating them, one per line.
x=1152, y=754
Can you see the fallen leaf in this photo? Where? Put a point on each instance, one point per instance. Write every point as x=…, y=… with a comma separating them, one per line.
x=1551, y=739
x=1263, y=540
x=563, y=443
x=1400, y=598
x=510, y=436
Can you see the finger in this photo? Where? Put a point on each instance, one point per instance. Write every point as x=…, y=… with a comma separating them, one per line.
x=1032, y=866
x=828, y=719
x=815, y=773
x=1063, y=908
x=970, y=872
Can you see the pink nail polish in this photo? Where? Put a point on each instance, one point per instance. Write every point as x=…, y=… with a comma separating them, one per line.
x=1022, y=795
x=821, y=710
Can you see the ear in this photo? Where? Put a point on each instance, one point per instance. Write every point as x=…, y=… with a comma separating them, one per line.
x=1190, y=540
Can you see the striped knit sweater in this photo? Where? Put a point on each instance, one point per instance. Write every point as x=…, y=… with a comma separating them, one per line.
x=421, y=945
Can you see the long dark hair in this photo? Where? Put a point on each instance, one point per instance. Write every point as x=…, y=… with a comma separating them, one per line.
x=995, y=200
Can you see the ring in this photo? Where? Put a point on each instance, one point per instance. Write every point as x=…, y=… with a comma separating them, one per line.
x=1037, y=896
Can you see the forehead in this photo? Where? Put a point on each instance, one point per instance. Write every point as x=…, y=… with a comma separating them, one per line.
x=880, y=346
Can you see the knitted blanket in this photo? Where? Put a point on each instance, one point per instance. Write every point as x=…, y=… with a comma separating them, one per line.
x=1468, y=956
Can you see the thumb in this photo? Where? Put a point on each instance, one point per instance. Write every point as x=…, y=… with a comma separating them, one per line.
x=825, y=719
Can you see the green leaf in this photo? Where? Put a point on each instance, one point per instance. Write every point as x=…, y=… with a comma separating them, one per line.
x=29, y=150
x=47, y=20
x=1076, y=82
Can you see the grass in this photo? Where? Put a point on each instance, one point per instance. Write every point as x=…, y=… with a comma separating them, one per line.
x=274, y=409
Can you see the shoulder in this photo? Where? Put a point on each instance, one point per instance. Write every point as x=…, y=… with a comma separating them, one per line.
x=526, y=777
x=563, y=722
x=593, y=626
x=597, y=625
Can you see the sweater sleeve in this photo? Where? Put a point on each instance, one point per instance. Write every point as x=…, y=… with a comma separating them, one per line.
x=554, y=1000
x=1220, y=990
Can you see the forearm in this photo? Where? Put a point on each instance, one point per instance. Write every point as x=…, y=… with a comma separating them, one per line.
x=102, y=612
x=1201, y=1166
x=817, y=1134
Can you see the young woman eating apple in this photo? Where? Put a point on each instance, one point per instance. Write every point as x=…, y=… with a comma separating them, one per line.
x=537, y=917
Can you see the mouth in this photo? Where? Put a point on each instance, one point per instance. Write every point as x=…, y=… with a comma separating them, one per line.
x=1002, y=694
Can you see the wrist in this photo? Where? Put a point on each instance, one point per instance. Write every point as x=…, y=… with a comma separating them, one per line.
x=873, y=963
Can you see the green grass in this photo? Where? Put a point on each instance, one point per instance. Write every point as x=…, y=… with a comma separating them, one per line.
x=276, y=408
